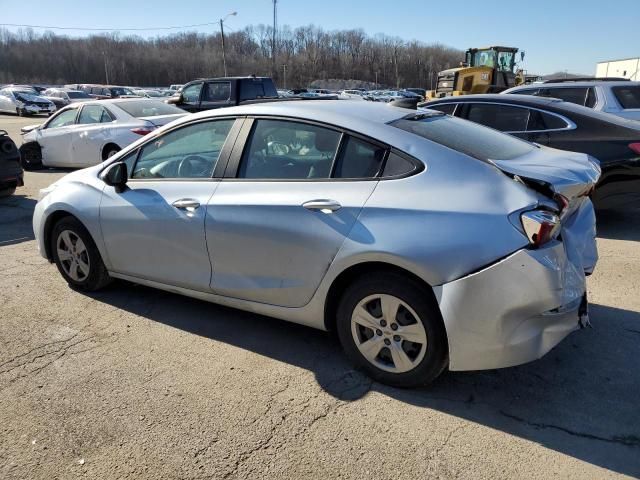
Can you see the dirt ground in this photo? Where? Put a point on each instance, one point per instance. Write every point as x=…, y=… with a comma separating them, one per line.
x=138, y=383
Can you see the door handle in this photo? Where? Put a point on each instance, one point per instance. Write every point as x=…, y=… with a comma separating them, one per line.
x=186, y=204
x=325, y=206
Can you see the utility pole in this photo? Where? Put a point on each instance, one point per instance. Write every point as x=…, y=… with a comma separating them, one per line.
x=106, y=71
x=284, y=72
x=273, y=38
x=224, y=58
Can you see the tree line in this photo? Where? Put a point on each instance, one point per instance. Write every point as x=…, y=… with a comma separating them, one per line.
x=301, y=57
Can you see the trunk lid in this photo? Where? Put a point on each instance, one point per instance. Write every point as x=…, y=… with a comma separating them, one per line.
x=569, y=174
x=160, y=120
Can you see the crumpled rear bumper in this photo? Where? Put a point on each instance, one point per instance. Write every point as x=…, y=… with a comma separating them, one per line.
x=514, y=311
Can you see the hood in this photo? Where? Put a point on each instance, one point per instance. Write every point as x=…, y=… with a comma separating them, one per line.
x=30, y=97
x=569, y=174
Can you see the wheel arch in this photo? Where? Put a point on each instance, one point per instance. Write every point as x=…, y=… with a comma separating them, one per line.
x=358, y=270
x=107, y=147
x=50, y=222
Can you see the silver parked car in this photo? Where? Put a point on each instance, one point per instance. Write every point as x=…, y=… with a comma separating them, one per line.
x=24, y=101
x=425, y=240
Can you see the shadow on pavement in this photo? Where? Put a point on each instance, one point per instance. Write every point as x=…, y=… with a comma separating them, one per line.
x=581, y=399
x=15, y=219
x=617, y=225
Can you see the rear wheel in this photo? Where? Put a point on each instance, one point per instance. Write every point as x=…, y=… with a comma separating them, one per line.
x=110, y=151
x=391, y=327
x=77, y=256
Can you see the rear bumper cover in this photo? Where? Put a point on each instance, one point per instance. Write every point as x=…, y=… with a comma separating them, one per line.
x=513, y=311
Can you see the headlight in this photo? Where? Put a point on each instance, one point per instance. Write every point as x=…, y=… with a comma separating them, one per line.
x=46, y=191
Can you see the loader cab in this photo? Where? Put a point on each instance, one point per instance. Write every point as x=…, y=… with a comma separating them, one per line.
x=502, y=59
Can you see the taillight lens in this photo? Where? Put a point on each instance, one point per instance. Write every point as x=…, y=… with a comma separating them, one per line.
x=143, y=130
x=635, y=147
x=540, y=226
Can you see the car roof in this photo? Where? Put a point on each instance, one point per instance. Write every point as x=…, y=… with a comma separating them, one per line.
x=336, y=112
x=498, y=97
x=582, y=83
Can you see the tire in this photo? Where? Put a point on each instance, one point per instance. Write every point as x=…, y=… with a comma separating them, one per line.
x=22, y=112
x=399, y=362
x=81, y=266
x=110, y=151
x=7, y=190
x=31, y=156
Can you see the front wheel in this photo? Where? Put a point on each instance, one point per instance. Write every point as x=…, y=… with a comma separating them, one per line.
x=77, y=257
x=31, y=156
x=391, y=327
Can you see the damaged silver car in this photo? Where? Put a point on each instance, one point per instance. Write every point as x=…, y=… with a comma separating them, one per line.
x=427, y=242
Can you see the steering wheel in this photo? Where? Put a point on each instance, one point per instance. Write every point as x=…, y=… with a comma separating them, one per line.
x=187, y=167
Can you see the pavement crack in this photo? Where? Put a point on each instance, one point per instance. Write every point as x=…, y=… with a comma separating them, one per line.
x=627, y=440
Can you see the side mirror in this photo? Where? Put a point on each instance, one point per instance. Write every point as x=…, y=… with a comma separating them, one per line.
x=176, y=99
x=116, y=176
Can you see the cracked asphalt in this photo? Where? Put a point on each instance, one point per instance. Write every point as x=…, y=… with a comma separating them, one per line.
x=136, y=383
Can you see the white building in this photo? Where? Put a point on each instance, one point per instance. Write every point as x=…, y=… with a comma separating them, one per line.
x=625, y=68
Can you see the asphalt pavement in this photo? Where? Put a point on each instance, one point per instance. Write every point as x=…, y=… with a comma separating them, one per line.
x=133, y=383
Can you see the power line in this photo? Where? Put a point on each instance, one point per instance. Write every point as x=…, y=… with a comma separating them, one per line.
x=107, y=29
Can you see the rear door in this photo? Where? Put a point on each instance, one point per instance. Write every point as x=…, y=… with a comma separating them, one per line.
x=215, y=95
x=510, y=119
x=90, y=134
x=277, y=220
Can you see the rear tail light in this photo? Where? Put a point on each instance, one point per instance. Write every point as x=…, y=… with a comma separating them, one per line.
x=540, y=226
x=143, y=130
x=635, y=147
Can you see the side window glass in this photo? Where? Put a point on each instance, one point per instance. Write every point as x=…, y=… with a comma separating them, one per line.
x=572, y=95
x=500, y=117
x=130, y=160
x=447, y=108
x=93, y=114
x=359, y=159
x=289, y=150
x=218, y=91
x=545, y=121
x=63, y=119
x=191, y=94
x=529, y=91
x=189, y=152
x=397, y=165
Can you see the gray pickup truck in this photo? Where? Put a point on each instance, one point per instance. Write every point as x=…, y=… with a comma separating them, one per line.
x=211, y=93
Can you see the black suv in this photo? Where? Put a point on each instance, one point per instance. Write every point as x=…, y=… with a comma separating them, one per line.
x=11, y=173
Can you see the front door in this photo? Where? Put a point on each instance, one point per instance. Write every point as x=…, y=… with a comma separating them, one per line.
x=54, y=139
x=274, y=229
x=191, y=97
x=155, y=229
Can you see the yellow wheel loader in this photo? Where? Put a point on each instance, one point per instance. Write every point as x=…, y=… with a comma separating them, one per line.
x=485, y=70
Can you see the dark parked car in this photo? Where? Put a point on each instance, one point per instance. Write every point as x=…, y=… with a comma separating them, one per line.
x=613, y=140
x=11, y=173
x=211, y=93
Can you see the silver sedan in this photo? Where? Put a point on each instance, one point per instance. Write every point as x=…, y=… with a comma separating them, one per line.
x=427, y=242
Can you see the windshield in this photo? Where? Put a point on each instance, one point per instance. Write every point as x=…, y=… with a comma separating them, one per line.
x=148, y=108
x=463, y=136
x=78, y=95
x=484, y=58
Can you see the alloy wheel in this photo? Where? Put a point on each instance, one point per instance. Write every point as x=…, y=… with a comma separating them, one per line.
x=388, y=333
x=73, y=255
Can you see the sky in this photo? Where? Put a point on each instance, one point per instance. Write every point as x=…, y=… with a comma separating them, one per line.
x=557, y=35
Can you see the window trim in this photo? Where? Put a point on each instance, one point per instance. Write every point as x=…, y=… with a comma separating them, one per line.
x=570, y=124
x=45, y=126
x=242, y=143
x=457, y=107
x=84, y=105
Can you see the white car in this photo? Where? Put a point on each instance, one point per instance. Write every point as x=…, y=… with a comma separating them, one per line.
x=24, y=101
x=86, y=134
x=618, y=97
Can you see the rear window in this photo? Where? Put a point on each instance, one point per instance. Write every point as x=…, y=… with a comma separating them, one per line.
x=629, y=97
x=577, y=95
x=465, y=137
x=148, y=108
